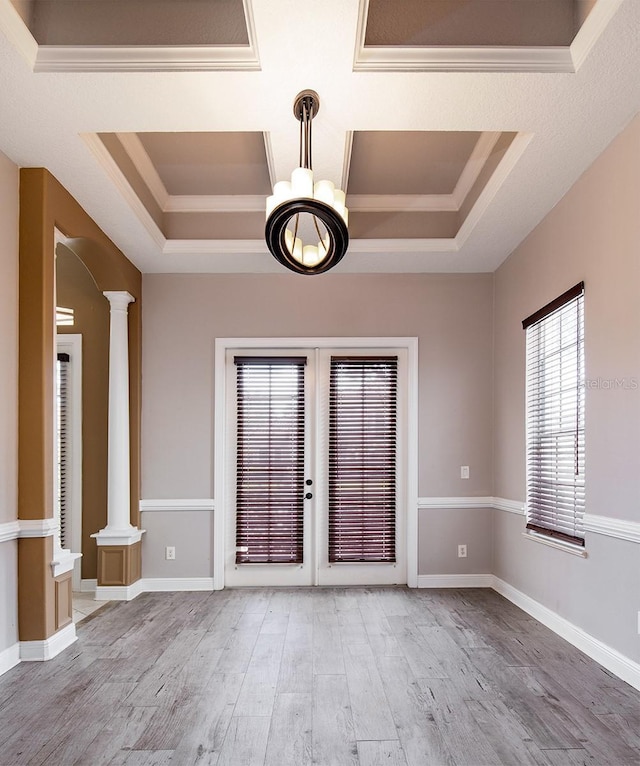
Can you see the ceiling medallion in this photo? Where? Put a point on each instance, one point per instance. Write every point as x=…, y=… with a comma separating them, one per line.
x=300, y=208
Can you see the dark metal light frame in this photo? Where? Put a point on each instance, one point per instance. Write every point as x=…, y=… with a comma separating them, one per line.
x=305, y=108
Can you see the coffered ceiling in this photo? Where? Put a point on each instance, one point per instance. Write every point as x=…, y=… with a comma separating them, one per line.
x=454, y=126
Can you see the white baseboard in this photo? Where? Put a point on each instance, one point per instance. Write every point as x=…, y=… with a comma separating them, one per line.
x=152, y=585
x=456, y=581
x=118, y=592
x=39, y=651
x=9, y=658
x=623, y=667
x=88, y=586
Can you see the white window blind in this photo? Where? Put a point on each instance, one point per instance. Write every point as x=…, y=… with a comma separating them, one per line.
x=362, y=459
x=270, y=459
x=62, y=370
x=555, y=418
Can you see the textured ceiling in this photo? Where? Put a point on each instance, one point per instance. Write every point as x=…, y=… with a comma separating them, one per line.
x=455, y=125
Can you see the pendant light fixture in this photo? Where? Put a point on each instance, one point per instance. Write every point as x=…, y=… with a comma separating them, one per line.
x=301, y=207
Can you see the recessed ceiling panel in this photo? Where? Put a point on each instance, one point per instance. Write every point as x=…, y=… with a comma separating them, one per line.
x=408, y=162
x=209, y=163
x=454, y=23
x=135, y=22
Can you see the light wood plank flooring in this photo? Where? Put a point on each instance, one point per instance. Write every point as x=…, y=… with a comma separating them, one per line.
x=327, y=676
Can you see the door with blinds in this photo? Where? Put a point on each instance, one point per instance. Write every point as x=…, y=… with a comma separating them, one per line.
x=317, y=467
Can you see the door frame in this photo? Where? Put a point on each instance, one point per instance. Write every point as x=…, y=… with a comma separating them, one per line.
x=222, y=492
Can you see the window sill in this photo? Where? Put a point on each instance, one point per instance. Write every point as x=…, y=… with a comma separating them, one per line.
x=574, y=550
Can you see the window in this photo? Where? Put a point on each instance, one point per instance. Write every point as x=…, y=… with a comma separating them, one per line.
x=362, y=459
x=62, y=467
x=270, y=460
x=555, y=418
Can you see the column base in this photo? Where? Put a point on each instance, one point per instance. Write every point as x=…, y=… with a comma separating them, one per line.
x=119, y=561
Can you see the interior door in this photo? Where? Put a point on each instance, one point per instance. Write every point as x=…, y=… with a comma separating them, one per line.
x=317, y=470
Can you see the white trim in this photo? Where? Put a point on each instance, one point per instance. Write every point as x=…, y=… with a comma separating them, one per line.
x=112, y=537
x=493, y=186
x=117, y=177
x=511, y=506
x=9, y=657
x=153, y=585
x=368, y=58
x=463, y=59
x=17, y=33
x=38, y=527
x=215, y=203
x=456, y=581
x=39, y=651
x=623, y=667
x=64, y=562
x=618, y=528
x=182, y=504
x=88, y=586
x=214, y=247
x=473, y=167
x=455, y=502
x=146, y=58
x=118, y=592
x=220, y=409
x=594, y=25
x=132, y=145
x=552, y=542
x=386, y=246
x=9, y=530
x=417, y=203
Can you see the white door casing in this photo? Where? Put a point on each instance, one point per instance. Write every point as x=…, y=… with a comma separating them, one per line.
x=316, y=569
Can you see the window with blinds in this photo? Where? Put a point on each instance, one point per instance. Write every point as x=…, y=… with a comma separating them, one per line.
x=555, y=418
x=62, y=413
x=362, y=459
x=270, y=459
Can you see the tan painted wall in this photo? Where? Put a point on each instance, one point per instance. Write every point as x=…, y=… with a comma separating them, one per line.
x=183, y=314
x=76, y=289
x=45, y=205
x=593, y=234
x=9, y=179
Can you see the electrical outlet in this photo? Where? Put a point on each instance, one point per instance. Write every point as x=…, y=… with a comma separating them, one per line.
x=462, y=551
x=170, y=553
x=464, y=471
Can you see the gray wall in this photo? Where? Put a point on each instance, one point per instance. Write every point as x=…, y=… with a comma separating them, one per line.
x=593, y=234
x=183, y=314
x=9, y=183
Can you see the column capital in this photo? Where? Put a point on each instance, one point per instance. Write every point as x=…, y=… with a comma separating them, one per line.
x=119, y=299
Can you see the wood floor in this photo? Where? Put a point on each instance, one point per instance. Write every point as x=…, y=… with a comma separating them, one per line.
x=288, y=677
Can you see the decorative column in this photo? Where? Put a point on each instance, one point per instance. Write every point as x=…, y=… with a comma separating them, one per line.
x=119, y=561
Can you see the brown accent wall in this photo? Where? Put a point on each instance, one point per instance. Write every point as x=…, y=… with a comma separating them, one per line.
x=44, y=206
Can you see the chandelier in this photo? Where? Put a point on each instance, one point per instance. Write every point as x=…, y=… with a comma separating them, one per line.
x=301, y=208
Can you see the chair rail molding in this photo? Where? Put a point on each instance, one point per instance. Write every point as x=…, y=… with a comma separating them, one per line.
x=179, y=504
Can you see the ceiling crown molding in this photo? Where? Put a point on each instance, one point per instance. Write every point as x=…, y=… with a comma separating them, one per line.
x=146, y=58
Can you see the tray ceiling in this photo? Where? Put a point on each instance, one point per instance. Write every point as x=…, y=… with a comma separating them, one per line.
x=454, y=126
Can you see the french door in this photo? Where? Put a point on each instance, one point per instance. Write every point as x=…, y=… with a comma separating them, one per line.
x=317, y=468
